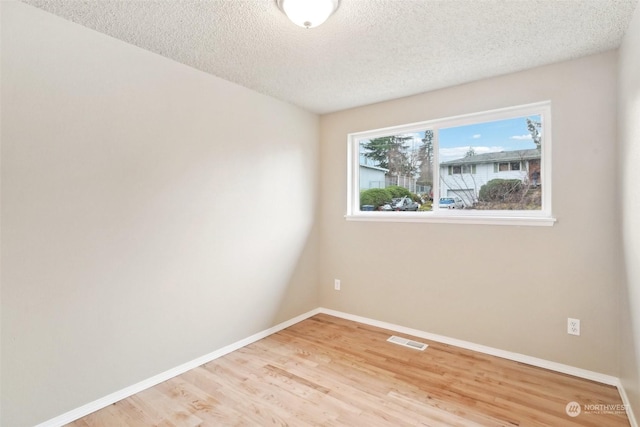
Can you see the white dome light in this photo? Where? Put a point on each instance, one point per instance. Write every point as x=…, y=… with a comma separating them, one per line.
x=308, y=13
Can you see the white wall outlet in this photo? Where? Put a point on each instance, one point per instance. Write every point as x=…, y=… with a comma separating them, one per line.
x=336, y=284
x=573, y=326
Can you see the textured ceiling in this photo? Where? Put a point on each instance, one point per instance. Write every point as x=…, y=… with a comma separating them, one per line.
x=368, y=51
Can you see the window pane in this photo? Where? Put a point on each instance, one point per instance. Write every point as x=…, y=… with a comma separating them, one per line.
x=498, y=163
x=490, y=164
x=396, y=172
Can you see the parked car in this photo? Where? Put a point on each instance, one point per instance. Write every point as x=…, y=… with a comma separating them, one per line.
x=401, y=204
x=454, y=202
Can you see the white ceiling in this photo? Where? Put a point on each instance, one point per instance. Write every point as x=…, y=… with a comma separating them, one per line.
x=368, y=51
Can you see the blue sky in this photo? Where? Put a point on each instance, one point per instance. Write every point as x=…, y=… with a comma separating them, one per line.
x=502, y=135
x=488, y=137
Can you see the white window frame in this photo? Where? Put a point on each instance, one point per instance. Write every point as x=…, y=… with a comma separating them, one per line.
x=542, y=217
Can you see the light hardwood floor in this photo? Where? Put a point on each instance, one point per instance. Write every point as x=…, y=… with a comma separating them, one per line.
x=326, y=371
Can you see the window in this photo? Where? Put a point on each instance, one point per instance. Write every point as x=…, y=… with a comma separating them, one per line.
x=491, y=167
x=460, y=169
x=506, y=166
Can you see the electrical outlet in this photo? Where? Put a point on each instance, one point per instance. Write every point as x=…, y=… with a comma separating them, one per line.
x=573, y=326
x=336, y=284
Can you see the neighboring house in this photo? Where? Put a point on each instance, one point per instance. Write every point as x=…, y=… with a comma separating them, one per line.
x=372, y=177
x=464, y=177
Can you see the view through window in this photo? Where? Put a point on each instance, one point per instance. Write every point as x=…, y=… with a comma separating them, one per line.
x=493, y=165
x=490, y=162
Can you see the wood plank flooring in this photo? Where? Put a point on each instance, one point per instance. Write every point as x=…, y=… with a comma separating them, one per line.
x=327, y=371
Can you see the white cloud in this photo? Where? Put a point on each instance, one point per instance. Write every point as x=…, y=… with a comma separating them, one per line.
x=522, y=137
x=483, y=150
x=453, y=153
x=477, y=136
x=447, y=154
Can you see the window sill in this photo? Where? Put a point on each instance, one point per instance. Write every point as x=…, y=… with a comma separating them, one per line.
x=453, y=218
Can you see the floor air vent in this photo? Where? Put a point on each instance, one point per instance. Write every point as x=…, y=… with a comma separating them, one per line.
x=407, y=343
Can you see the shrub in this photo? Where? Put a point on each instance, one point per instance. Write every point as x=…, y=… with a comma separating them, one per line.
x=396, y=191
x=427, y=206
x=499, y=189
x=375, y=196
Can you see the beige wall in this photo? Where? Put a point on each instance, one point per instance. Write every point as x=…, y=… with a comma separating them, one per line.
x=151, y=214
x=507, y=287
x=629, y=110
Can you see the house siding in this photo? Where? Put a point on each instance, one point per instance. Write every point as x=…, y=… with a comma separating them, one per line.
x=467, y=181
x=371, y=177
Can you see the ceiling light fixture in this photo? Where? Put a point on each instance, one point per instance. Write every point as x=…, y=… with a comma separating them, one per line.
x=308, y=13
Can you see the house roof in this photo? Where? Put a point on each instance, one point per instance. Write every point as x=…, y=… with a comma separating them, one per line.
x=502, y=156
x=367, y=51
x=378, y=168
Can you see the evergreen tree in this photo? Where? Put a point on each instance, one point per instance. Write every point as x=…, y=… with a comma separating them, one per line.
x=425, y=156
x=390, y=152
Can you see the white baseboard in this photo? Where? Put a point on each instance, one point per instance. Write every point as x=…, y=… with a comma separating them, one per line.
x=517, y=357
x=112, y=398
x=541, y=363
x=627, y=405
x=105, y=401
